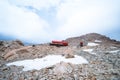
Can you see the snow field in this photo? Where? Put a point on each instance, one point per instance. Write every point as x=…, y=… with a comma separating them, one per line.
x=92, y=44
x=89, y=51
x=47, y=61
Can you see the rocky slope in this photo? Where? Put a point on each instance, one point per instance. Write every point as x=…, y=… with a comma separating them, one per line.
x=91, y=37
x=102, y=54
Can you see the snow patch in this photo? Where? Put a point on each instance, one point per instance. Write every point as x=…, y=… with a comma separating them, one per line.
x=92, y=44
x=112, y=47
x=114, y=51
x=98, y=41
x=47, y=61
x=89, y=51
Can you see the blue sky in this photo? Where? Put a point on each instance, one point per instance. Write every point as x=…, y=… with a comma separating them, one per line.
x=39, y=21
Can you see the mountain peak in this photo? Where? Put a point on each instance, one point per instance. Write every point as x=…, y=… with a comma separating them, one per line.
x=90, y=37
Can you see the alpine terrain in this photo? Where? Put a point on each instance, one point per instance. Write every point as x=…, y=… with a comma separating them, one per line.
x=97, y=59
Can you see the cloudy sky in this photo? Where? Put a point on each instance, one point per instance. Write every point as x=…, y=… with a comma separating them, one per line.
x=39, y=21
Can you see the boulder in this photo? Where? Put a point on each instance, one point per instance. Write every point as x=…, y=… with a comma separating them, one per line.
x=68, y=55
x=62, y=68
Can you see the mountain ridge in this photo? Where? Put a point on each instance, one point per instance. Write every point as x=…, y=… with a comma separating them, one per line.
x=90, y=37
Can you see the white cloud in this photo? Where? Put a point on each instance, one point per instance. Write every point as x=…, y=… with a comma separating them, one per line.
x=71, y=18
x=22, y=24
x=84, y=16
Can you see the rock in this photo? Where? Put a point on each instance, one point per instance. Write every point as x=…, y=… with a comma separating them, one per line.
x=8, y=55
x=22, y=51
x=62, y=68
x=69, y=55
x=75, y=77
x=43, y=78
x=93, y=78
x=1, y=75
x=5, y=68
x=21, y=78
x=19, y=42
x=1, y=43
